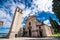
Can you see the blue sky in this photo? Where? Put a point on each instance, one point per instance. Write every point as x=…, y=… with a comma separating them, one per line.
x=42, y=9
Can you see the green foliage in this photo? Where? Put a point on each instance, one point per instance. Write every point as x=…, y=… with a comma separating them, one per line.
x=52, y=22
x=57, y=34
x=54, y=25
x=56, y=8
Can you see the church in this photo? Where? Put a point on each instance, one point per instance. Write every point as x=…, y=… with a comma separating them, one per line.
x=35, y=28
x=32, y=28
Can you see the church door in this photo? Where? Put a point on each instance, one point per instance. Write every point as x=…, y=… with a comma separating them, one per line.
x=29, y=33
x=30, y=27
x=40, y=32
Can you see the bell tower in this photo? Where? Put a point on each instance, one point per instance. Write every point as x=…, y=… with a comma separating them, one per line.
x=16, y=23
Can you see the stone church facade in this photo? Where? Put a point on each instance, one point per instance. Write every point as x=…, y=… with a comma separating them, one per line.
x=35, y=28
x=32, y=28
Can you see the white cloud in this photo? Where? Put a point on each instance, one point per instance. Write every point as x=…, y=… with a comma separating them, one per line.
x=26, y=12
x=47, y=22
x=37, y=5
x=45, y=5
x=6, y=18
x=13, y=7
x=5, y=15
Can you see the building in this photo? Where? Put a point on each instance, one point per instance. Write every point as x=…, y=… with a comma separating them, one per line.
x=16, y=23
x=1, y=23
x=35, y=28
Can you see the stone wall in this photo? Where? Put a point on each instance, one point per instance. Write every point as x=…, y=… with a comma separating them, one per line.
x=46, y=30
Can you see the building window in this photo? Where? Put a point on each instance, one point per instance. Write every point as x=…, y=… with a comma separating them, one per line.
x=29, y=23
x=39, y=27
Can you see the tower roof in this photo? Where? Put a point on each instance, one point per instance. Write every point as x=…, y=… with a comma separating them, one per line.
x=18, y=10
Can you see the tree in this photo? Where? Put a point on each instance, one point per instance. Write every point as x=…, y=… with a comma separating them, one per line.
x=54, y=25
x=56, y=8
x=52, y=22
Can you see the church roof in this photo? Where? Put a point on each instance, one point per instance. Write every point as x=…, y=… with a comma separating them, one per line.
x=33, y=16
x=30, y=17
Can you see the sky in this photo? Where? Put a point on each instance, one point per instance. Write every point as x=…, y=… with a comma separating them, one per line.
x=42, y=9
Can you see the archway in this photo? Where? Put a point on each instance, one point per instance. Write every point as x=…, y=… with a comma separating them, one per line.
x=40, y=32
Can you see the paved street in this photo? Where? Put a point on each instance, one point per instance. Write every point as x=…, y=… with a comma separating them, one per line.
x=25, y=38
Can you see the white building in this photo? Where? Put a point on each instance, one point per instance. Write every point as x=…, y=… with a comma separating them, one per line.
x=16, y=23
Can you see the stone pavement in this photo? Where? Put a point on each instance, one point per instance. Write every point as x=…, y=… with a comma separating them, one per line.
x=26, y=38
